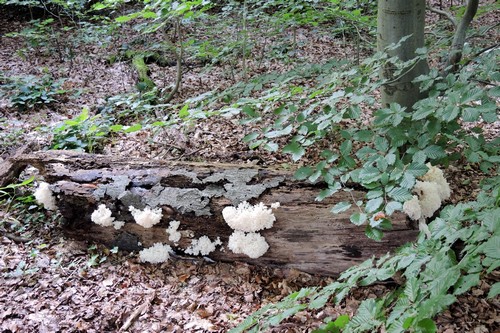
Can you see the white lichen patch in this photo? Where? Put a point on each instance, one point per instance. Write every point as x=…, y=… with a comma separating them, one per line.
x=249, y=218
x=251, y=244
x=102, y=216
x=173, y=234
x=155, y=254
x=203, y=246
x=147, y=217
x=44, y=196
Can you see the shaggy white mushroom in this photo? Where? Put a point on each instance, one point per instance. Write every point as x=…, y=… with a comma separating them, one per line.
x=147, y=217
x=173, y=235
x=44, y=196
x=436, y=175
x=202, y=246
x=155, y=254
x=251, y=244
x=102, y=216
x=249, y=218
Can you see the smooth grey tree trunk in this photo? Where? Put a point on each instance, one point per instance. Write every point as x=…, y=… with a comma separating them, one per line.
x=397, y=19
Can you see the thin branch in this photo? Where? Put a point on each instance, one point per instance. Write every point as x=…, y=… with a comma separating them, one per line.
x=444, y=13
x=457, y=45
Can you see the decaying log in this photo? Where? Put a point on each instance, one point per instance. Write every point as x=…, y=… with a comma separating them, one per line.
x=305, y=236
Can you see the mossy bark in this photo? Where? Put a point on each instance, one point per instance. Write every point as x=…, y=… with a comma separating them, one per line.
x=144, y=82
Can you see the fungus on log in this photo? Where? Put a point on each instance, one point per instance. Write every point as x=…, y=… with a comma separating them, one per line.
x=305, y=236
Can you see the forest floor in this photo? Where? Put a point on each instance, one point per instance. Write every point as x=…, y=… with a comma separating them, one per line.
x=49, y=283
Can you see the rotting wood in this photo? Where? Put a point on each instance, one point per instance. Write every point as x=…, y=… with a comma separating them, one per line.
x=305, y=236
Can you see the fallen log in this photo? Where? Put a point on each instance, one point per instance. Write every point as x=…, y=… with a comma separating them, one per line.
x=306, y=235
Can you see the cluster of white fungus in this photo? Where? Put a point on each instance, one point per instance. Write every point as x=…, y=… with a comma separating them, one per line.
x=102, y=216
x=155, y=254
x=251, y=244
x=202, y=246
x=246, y=220
x=173, y=235
x=430, y=192
x=147, y=217
x=249, y=218
x=44, y=196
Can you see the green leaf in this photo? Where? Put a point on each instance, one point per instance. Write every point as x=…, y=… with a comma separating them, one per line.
x=340, y=207
x=465, y=282
x=393, y=206
x=494, y=290
x=358, y=218
x=329, y=191
x=295, y=149
x=373, y=205
x=492, y=247
x=250, y=137
x=417, y=169
x=346, y=148
x=400, y=194
x=303, y=172
x=373, y=233
x=341, y=321
x=434, y=152
x=426, y=326
x=184, y=112
x=133, y=128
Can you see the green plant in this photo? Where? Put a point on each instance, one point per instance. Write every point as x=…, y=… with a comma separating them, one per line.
x=87, y=133
x=386, y=156
x=433, y=274
x=27, y=92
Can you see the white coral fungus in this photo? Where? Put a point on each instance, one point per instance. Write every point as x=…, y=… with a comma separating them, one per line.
x=102, y=216
x=428, y=197
x=436, y=175
x=251, y=244
x=249, y=218
x=118, y=224
x=173, y=235
x=412, y=208
x=202, y=246
x=147, y=217
x=43, y=195
x=155, y=254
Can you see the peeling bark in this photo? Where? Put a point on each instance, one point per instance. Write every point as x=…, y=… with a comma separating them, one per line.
x=305, y=236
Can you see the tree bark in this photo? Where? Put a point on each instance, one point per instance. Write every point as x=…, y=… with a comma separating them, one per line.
x=305, y=236
x=397, y=19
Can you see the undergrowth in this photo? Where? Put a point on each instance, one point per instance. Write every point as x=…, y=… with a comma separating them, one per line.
x=433, y=275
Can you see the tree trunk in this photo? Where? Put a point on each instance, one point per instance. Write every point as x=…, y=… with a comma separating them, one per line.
x=397, y=19
x=305, y=236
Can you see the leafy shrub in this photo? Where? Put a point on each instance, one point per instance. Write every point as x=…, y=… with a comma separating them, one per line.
x=433, y=274
x=87, y=133
x=27, y=92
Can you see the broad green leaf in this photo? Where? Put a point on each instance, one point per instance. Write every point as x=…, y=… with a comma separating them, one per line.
x=426, y=326
x=434, y=152
x=303, y=172
x=184, y=112
x=295, y=149
x=250, y=137
x=400, y=194
x=492, y=247
x=494, y=290
x=340, y=207
x=358, y=218
x=393, y=206
x=373, y=233
x=465, y=282
x=417, y=169
x=373, y=205
x=133, y=128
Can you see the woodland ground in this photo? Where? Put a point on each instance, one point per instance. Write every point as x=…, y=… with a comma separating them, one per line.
x=49, y=283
